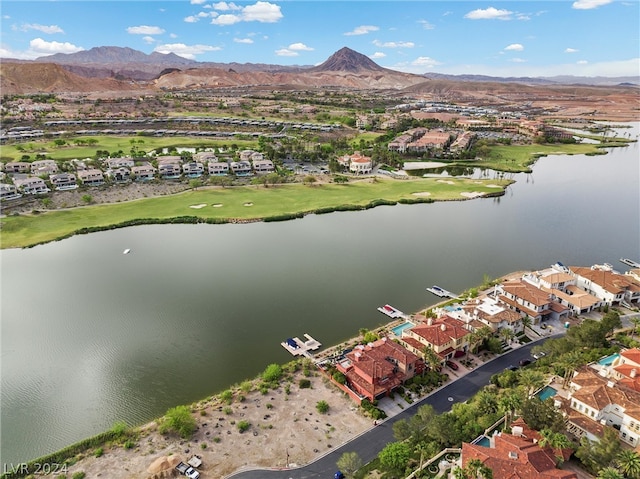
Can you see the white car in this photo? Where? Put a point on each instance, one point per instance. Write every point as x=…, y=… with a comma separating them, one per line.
x=539, y=355
x=192, y=473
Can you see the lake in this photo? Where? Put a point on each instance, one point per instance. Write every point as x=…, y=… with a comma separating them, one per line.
x=91, y=336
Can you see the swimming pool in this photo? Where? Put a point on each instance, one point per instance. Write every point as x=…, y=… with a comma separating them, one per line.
x=484, y=442
x=546, y=392
x=398, y=329
x=608, y=361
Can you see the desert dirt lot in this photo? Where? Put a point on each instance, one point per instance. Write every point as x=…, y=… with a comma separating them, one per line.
x=283, y=427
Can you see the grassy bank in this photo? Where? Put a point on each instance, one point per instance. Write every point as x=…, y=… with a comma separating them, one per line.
x=239, y=204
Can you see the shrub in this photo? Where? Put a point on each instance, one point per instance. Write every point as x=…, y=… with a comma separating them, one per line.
x=78, y=475
x=243, y=426
x=273, y=373
x=179, y=420
x=304, y=384
x=129, y=444
x=99, y=452
x=322, y=407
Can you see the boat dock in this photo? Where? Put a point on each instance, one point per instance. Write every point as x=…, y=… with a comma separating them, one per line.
x=630, y=262
x=443, y=293
x=392, y=312
x=297, y=347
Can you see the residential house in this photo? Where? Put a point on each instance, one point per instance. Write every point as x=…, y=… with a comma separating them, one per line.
x=169, y=170
x=44, y=167
x=625, y=368
x=91, y=177
x=434, y=139
x=114, y=163
x=523, y=297
x=205, y=157
x=144, y=172
x=63, y=181
x=611, y=287
x=17, y=167
x=251, y=155
x=193, y=169
x=9, y=192
x=120, y=174
x=263, y=166
x=374, y=370
x=218, y=168
x=356, y=163
x=241, y=168
x=31, y=185
x=444, y=336
x=517, y=456
x=488, y=311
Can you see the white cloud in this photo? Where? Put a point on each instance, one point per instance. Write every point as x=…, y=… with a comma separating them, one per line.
x=41, y=47
x=186, y=51
x=378, y=43
x=173, y=35
x=377, y=55
x=41, y=28
x=145, y=30
x=514, y=47
x=224, y=6
x=425, y=62
x=285, y=52
x=191, y=19
x=490, y=13
x=582, y=62
x=523, y=16
x=363, y=30
x=6, y=17
x=197, y=2
x=148, y=39
x=571, y=50
x=226, y=19
x=426, y=25
x=263, y=12
x=589, y=4
x=518, y=60
x=248, y=41
x=298, y=47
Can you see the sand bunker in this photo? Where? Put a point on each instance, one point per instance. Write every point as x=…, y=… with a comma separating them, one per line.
x=448, y=182
x=493, y=186
x=422, y=193
x=422, y=165
x=217, y=205
x=471, y=194
x=197, y=207
x=248, y=204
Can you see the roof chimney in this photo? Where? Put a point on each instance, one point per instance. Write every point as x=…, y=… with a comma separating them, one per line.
x=516, y=431
x=633, y=373
x=357, y=355
x=443, y=327
x=429, y=321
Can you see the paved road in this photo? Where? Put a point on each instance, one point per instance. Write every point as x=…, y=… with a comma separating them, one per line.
x=371, y=442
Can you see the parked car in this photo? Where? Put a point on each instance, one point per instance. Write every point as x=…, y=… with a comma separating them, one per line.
x=338, y=475
x=525, y=362
x=452, y=365
x=511, y=368
x=191, y=473
x=539, y=355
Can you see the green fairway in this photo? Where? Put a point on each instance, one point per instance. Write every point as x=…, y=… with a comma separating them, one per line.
x=241, y=203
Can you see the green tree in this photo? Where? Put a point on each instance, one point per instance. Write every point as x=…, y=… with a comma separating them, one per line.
x=609, y=473
x=349, y=463
x=629, y=463
x=596, y=455
x=431, y=358
x=179, y=420
x=322, y=406
x=531, y=380
x=556, y=441
x=195, y=183
x=394, y=456
x=272, y=373
x=541, y=415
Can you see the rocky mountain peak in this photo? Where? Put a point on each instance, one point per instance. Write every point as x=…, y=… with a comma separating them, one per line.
x=347, y=60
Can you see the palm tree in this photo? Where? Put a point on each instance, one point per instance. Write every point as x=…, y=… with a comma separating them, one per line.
x=431, y=358
x=531, y=380
x=507, y=334
x=526, y=323
x=475, y=469
x=609, y=473
x=509, y=402
x=570, y=361
x=629, y=463
x=556, y=441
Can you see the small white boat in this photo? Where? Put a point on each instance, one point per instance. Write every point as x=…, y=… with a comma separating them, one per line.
x=630, y=262
x=127, y=251
x=391, y=311
x=443, y=293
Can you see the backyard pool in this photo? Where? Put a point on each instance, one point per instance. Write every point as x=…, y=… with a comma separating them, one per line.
x=608, y=360
x=398, y=329
x=546, y=392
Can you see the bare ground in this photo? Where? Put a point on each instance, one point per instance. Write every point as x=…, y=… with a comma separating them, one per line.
x=284, y=427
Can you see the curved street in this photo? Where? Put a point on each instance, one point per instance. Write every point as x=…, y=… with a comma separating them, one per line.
x=371, y=442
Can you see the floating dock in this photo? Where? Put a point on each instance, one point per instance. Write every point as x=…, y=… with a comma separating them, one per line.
x=297, y=347
x=392, y=312
x=630, y=262
x=443, y=293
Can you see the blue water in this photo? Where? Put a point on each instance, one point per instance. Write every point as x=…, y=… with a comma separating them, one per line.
x=608, y=360
x=398, y=329
x=484, y=442
x=546, y=392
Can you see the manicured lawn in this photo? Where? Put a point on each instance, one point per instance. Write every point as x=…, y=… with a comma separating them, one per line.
x=26, y=230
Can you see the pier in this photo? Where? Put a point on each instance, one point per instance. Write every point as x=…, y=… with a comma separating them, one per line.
x=443, y=293
x=297, y=347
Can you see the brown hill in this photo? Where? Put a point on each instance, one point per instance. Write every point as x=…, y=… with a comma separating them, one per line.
x=28, y=78
x=347, y=60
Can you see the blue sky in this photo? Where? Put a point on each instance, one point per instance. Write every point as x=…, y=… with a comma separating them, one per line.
x=500, y=38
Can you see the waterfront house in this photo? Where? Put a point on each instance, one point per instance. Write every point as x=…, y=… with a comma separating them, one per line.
x=523, y=297
x=218, y=168
x=91, y=177
x=625, y=368
x=63, y=181
x=9, y=192
x=611, y=287
x=144, y=172
x=31, y=185
x=444, y=336
x=17, y=167
x=263, y=166
x=374, y=370
x=487, y=311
